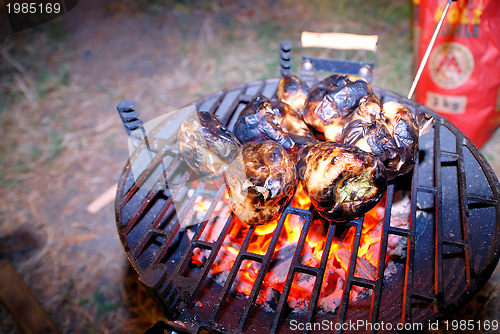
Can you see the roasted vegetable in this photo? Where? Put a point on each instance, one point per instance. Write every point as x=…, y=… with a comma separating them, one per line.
x=374, y=137
x=293, y=91
x=366, y=128
x=342, y=181
x=206, y=145
x=366, y=111
x=390, y=132
x=261, y=182
x=332, y=100
x=405, y=130
x=263, y=119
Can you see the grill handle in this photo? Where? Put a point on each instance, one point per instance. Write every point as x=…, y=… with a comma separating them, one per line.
x=129, y=116
x=285, y=57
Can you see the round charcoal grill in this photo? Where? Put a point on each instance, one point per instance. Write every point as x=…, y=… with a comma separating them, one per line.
x=452, y=244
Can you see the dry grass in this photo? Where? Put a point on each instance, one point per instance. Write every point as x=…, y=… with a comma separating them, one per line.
x=63, y=143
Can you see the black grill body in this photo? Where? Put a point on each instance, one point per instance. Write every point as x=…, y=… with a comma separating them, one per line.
x=452, y=239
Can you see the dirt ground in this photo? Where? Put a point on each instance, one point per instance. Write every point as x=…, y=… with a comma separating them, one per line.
x=63, y=143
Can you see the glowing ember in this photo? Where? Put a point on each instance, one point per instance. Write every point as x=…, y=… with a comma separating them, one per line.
x=311, y=255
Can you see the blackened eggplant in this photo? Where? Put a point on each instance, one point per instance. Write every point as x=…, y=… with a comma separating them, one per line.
x=332, y=100
x=261, y=182
x=292, y=91
x=404, y=129
x=342, y=181
x=263, y=119
x=206, y=145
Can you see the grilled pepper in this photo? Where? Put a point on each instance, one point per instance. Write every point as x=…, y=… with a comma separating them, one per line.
x=261, y=182
x=366, y=128
x=342, y=181
x=292, y=91
x=206, y=145
x=374, y=137
x=263, y=119
x=332, y=100
x=405, y=130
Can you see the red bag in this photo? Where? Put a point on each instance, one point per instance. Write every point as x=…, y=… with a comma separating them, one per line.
x=461, y=80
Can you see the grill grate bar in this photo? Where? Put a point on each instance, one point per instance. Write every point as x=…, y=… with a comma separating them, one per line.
x=225, y=116
x=399, y=231
x=302, y=268
x=146, y=173
x=140, y=210
x=377, y=293
x=341, y=317
x=264, y=268
x=132, y=221
x=170, y=234
x=424, y=296
x=295, y=266
x=487, y=200
x=211, y=259
x=438, y=260
x=410, y=257
x=230, y=280
x=216, y=104
x=455, y=243
x=464, y=210
x=321, y=274
x=363, y=282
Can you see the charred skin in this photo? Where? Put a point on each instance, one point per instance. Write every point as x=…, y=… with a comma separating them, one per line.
x=366, y=111
x=206, y=145
x=261, y=182
x=342, y=181
x=405, y=130
x=390, y=132
x=374, y=137
x=292, y=91
x=332, y=100
x=263, y=119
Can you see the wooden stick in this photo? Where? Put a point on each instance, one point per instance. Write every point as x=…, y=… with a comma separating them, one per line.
x=100, y=202
x=339, y=41
x=22, y=305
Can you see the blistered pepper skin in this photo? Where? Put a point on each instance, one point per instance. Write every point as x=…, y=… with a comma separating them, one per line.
x=261, y=182
x=342, y=181
x=332, y=100
x=404, y=128
x=374, y=137
x=263, y=119
x=293, y=91
x=206, y=145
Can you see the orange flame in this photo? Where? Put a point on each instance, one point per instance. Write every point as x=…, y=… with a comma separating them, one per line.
x=338, y=257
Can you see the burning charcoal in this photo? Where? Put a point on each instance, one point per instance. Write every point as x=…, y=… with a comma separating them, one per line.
x=331, y=302
x=263, y=119
x=342, y=181
x=405, y=130
x=332, y=100
x=293, y=91
x=260, y=182
x=343, y=256
x=364, y=269
x=206, y=145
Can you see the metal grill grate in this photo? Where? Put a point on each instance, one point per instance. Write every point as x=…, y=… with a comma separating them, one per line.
x=452, y=243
